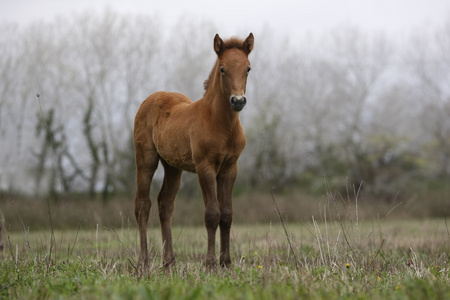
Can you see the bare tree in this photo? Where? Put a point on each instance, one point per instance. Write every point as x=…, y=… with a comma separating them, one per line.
x=10, y=49
x=187, y=60
x=337, y=105
x=357, y=63
x=112, y=69
x=430, y=63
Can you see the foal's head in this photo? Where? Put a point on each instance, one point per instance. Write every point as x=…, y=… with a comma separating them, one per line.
x=233, y=66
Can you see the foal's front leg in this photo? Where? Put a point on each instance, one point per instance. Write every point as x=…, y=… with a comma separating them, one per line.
x=207, y=179
x=225, y=183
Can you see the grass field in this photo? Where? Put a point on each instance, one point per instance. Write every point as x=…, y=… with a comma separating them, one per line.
x=404, y=259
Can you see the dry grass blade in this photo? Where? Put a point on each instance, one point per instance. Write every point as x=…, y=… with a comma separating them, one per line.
x=26, y=233
x=52, y=238
x=2, y=246
x=130, y=259
x=75, y=241
x=376, y=254
x=277, y=210
x=446, y=226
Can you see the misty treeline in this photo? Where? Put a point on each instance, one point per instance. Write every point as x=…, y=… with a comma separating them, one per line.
x=338, y=108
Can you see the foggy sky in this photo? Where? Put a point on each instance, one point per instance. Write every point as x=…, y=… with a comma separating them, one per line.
x=285, y=17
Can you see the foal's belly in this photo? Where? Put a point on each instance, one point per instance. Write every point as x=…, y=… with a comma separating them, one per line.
x=182, y=162
x=175, y=152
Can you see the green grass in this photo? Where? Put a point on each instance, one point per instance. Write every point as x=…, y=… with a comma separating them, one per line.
x=404, y=259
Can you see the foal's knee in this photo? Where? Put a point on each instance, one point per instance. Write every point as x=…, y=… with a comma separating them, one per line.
x=212, y=218
x=226, y=217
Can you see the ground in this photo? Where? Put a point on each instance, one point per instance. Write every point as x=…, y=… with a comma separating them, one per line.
x=407, y=259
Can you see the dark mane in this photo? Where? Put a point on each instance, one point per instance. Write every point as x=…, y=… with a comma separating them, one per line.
x=234, y=43
x=231, y=43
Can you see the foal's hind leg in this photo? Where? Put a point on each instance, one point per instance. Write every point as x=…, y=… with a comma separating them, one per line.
x=146, y=164
x=166, y=204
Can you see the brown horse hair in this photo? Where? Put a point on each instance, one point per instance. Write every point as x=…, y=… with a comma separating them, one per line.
x=204, y=137
x=231, y=43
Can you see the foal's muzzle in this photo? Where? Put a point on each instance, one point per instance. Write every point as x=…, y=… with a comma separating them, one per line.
x=238, y=102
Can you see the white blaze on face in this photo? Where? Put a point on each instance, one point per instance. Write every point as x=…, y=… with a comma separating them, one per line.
x=238, y=97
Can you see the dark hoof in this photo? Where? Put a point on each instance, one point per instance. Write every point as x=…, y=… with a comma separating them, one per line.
x=211, y=263
x=169, y=264
x=226, y=264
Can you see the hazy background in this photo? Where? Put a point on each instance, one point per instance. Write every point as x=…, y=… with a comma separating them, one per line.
x=286, y=17
x=344, y=96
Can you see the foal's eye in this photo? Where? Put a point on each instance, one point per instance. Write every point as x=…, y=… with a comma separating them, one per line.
x=222, y=70
x=249, y=69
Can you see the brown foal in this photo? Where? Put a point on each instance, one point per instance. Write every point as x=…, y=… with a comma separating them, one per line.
x=205, y=137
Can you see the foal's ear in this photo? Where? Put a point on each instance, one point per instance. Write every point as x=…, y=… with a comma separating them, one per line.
x=218, y=44
x=248, y=43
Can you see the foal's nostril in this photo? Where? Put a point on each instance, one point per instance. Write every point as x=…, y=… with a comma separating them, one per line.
x=238, y=102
